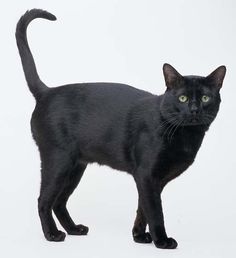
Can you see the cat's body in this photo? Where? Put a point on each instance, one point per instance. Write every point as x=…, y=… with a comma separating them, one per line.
x=154, y=138
x=97, y=115
x=99, y=128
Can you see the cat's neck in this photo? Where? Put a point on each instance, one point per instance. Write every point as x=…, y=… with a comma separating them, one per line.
x=172, y=134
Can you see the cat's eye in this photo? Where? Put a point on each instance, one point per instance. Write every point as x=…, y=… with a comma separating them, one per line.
x=205, y=98
x=183, y=98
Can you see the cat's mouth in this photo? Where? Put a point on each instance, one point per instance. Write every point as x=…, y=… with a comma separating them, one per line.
x=193, y=122
x=196, y=120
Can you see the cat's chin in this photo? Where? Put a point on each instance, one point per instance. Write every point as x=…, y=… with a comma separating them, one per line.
x=192, y=122
x=195, y=123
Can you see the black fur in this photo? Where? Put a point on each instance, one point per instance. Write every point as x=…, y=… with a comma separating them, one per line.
x=153, y=138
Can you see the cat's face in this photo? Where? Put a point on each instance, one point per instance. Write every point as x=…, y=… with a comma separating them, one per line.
x=191, y=100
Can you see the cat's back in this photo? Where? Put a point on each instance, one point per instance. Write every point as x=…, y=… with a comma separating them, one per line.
x=108, y=93
x=103, y=97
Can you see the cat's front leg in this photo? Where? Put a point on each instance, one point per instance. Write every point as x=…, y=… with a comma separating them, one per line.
x=139, y=229
x=149, y=191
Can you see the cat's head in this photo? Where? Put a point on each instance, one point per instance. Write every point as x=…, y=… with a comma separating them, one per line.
x=191, y=100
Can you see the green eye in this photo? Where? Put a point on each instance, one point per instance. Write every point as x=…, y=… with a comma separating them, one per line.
x=183, y=98
x=205, y=98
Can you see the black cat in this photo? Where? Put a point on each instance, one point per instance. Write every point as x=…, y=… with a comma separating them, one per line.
x=153, y=138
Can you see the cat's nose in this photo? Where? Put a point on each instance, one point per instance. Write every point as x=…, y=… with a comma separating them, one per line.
x=194, y=109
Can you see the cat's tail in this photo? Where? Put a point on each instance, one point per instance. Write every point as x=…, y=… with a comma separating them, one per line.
x=36, y=86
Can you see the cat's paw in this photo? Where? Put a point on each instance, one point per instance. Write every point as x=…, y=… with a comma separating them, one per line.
x=166, y=243
x=78, y=230
x=57, y=236
x=144, y=238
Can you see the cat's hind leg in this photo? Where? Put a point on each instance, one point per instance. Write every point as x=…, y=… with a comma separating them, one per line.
x=59, y=207
x=56, y=165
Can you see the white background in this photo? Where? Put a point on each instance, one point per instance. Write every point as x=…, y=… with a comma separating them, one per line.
x=120, y=41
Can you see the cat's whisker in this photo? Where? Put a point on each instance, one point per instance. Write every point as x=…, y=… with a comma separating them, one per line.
x=206, y=121
x=170, y=127
x=175, y=129
x=167, y=122
x=177, y=126
x=209, y=116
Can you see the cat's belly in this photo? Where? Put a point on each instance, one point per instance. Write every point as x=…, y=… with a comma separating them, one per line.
x=111, y=154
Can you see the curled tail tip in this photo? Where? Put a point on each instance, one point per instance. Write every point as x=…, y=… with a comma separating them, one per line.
x=40, y=13
x=36, y=13
x=44, y=14
x=30, y=15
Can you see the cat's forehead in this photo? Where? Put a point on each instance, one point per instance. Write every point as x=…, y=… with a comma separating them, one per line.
x=192, y=83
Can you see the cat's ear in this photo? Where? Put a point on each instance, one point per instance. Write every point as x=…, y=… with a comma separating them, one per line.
x=216, y=77
x=172, y=77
